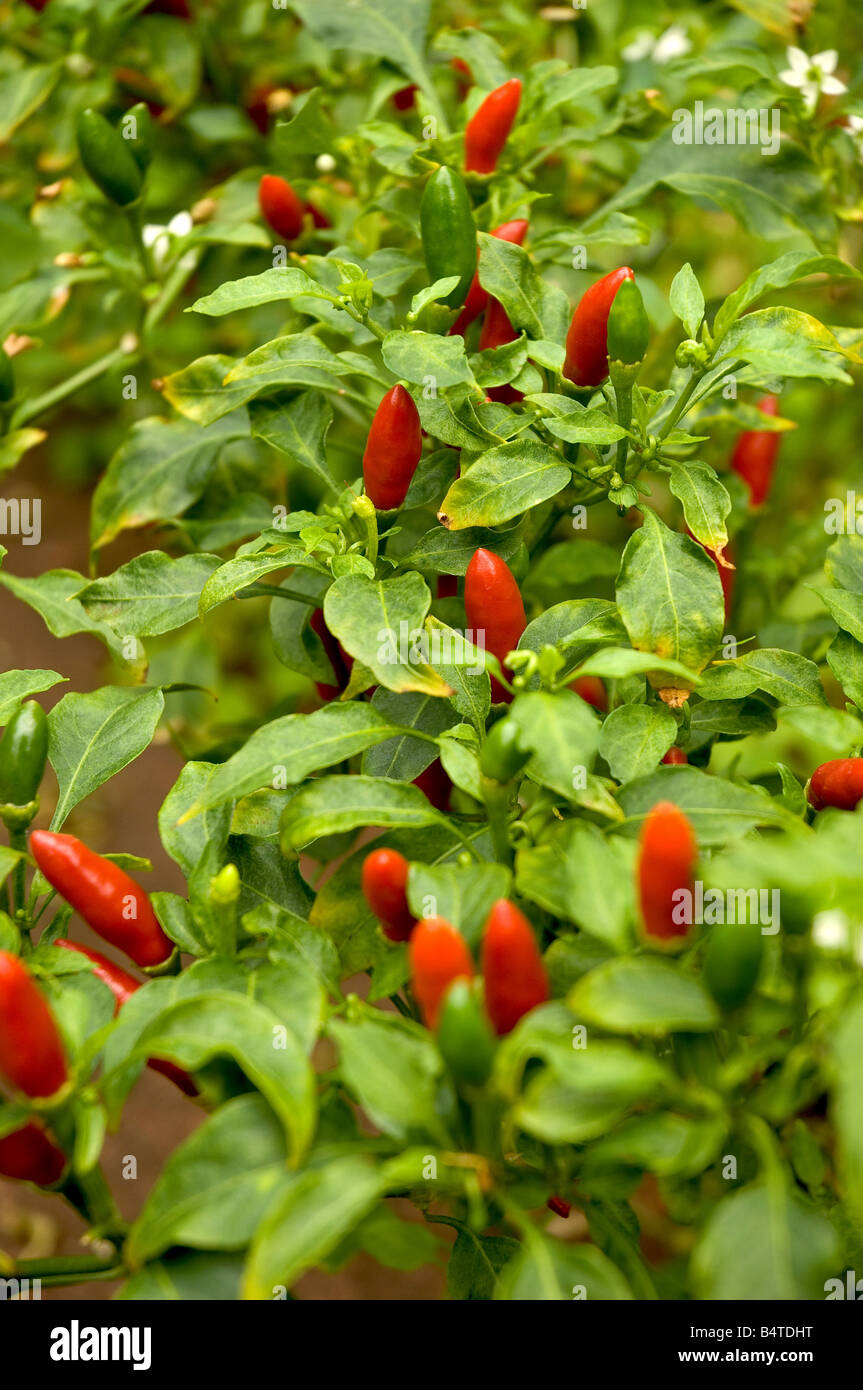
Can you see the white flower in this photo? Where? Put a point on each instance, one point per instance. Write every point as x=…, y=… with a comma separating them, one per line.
x=159, y=238
x=830, y=930
x=325, y=164
x=672, y=44
x=812, y=76
x=640, y=47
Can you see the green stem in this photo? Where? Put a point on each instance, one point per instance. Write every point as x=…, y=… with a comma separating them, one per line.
x=29, y=409
x=497, y=797
x=680, y=406
x=133, y=217
x=90, y=1195
x=171, y=289
x=53, y=1271
x=18, y=841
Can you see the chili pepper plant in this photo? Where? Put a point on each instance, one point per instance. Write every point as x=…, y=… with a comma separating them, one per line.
x=469, y=449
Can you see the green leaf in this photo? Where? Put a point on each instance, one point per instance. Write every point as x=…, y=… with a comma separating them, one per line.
x=183, y=1276
x=705, y=501
x=93, y=737
x=199, y=391
x=793, y=266
x=719, y=809
x=475, y=1263
x=396, y=28
x=420, y=357
x=788, y=677
x=463, y=896
x=503, y=483
x=186, y=843
x=786, y=342
x=403, y=758
x=391, y=1067
x=508, y=273
x=665, y=1143
x=331, y=805
x=280, y=283
x=687, y=299
x=379, y=621
x=23, y=91
x=244, y=570
x=562, y=731
x=52, y=595
x=298, y=429
x=16, y=686
x=150, y=595
x=635, y=738
x=549, y=1270
x=643, y=996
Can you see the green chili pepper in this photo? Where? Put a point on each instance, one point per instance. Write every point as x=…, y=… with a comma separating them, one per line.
x=464, y=1037
x=141, y=143
x=732, y=962
x=7, y=377
x=448, y=232
x=628, y=328
x=503, y=753
x=108, y=160
x=23, y=754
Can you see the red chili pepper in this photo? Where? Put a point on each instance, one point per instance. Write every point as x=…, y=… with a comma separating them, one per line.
x=464, y=75
x=836, y=783
x=393, y=450
x=385, y=882
x=666, y=859
x=447, y=585
x=405, y=97
x=586, y=361
x=341, y=661
x=110, y=902
x=515, y=978
x=29, y=1155
x=592, y=690
x=122, y=985
x=496, y=331
x=438, y=955
x=755, y=454
x=489, y=126
x=31, y=1053
x=559, y=1206
x=436, y=784
x=493, y=605
x=675, y=757
x=319, y=219
x=477, y=298
x=281, y=206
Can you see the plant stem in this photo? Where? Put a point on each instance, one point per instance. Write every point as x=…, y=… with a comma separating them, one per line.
x=679, y=406
x=171, y=289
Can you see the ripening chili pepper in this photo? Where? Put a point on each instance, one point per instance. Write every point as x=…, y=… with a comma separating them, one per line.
x=667, y=852
x=23, y=754
x=405, y=98
x=32, y=1058
x=122, y=985
x=438, y=955
x=493, y=606
x=755, y=454
x=496, y=332
x=836, y=783
x=675, y=757
x=448, y=232
x=477, y=298
x=7, y=377
x=29, y=1155
x=628, y=326
x=108, y=900
x=466, y=1042
x=503, y=754
x=393, y=449
x=515, y=978
x=319, y=219
x=464, y=76
x=280, y=206
x=586, y=362
x=592, y=690
x=434, y=782
x=107, y=158
x=385, y=883
x=341, y=661
x=488, y=129
x=559, y=1206
x=732, y=962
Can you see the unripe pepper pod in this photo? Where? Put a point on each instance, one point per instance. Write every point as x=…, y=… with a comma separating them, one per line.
x=23, y=754
x=494, y=606
x=438, y=955
x=109, y=901
x=477, y=298
x=836, y=783
x=675, y=757
x=515, y=977
x=628, y=327
x=448, y=232
x=488, y=128
x=280, y=206
x=592, y=690
x=586, y=362
x=667, y=852
x=122, y=985
x=465, y=1040
x=503, y=755
x=393, y=450
x=108, y=160
x=385, y=881
x=755, y=454
x=32, y=1058
x=732, y=962
x=29, y=1155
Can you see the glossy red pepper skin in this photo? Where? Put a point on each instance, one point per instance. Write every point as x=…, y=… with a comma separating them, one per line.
x=109, y=901
x=281, y=207
x=559, y=1206
x=755, y=454
x=29, y=1155
x=122, y=985
x=675, y=757
x=434, y=782
x=592, y=690
x=438, y=955
x=488, y=128
x=385, y=882
x=667, y=852
x=836, y=783
x=477, y=298
x=493, y=605
x=393, y=450
x=586, y=362
x=496, y=332
x=341, y=661
x=32, y=1058
x=512, y=968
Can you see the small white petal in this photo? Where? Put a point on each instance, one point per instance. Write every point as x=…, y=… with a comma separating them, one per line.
x=151, y=233
x=826, y=61
x=181, y=224
x=832, y=87
x=797, y=58
x=855, y=123
x=672, y=44
x=830, y=930
x=639, y=48
x=325, y=164
x=792, y=78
